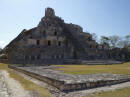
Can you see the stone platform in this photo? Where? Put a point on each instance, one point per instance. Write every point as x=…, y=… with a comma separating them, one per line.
x=91, y=62
x=67, y=82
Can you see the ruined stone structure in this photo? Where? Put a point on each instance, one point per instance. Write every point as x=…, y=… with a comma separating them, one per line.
x=68, y=82
x=54, y=42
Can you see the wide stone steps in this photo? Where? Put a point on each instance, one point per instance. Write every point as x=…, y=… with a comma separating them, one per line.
x=91, y=62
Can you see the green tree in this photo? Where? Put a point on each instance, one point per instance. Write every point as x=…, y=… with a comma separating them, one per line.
x=104, y=40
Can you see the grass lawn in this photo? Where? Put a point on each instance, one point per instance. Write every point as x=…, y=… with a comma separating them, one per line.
x=117, y=93
x=28, y=85
x=91, y=69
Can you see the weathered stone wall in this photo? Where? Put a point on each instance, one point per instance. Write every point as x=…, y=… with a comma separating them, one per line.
x=32, y=42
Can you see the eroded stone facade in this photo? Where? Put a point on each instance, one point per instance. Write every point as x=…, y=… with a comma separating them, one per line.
x=53, y=41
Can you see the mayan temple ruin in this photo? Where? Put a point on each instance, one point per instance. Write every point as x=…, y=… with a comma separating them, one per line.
x=55, y=42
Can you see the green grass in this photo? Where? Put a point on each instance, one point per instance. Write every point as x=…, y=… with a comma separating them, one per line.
x=117, y=93
x=92, y=69
x=28, y=85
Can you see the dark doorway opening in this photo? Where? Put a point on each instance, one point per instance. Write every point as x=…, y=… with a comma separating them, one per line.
x=38, y=42
x=32, y=58
x=49, y=43
x=38, y=57
x=59, y=43
x=26, y=57
x=74, y=54
x=55, y=33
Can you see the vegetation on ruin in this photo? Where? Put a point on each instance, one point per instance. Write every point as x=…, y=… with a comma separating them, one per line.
x=92, y=69
x=28, y=85
x=116, y=93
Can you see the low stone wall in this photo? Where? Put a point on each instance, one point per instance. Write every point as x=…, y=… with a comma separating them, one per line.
x=64, y=86
x=53, y=82
x=89, y=85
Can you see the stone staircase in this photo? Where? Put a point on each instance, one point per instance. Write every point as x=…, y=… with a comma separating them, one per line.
x=91, y=62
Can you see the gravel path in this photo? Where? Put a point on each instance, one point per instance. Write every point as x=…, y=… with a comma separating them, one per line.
x=3, y=87
x=10, y=87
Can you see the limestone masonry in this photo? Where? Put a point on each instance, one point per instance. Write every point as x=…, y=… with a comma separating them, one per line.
x=55, y=42
x=67, y=82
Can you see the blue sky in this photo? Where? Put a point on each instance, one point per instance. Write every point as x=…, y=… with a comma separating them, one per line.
x=103, y=17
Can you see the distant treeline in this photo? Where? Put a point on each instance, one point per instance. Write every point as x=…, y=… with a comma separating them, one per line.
x=114, y=41
x=118, y=47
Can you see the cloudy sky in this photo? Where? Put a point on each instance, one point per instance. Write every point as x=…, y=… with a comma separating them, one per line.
x=103, y=17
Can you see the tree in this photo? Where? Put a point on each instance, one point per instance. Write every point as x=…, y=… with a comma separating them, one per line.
x=124, y=42
x=121, y=44
x=104, y=40
x=127, y=41
x=114, y=40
